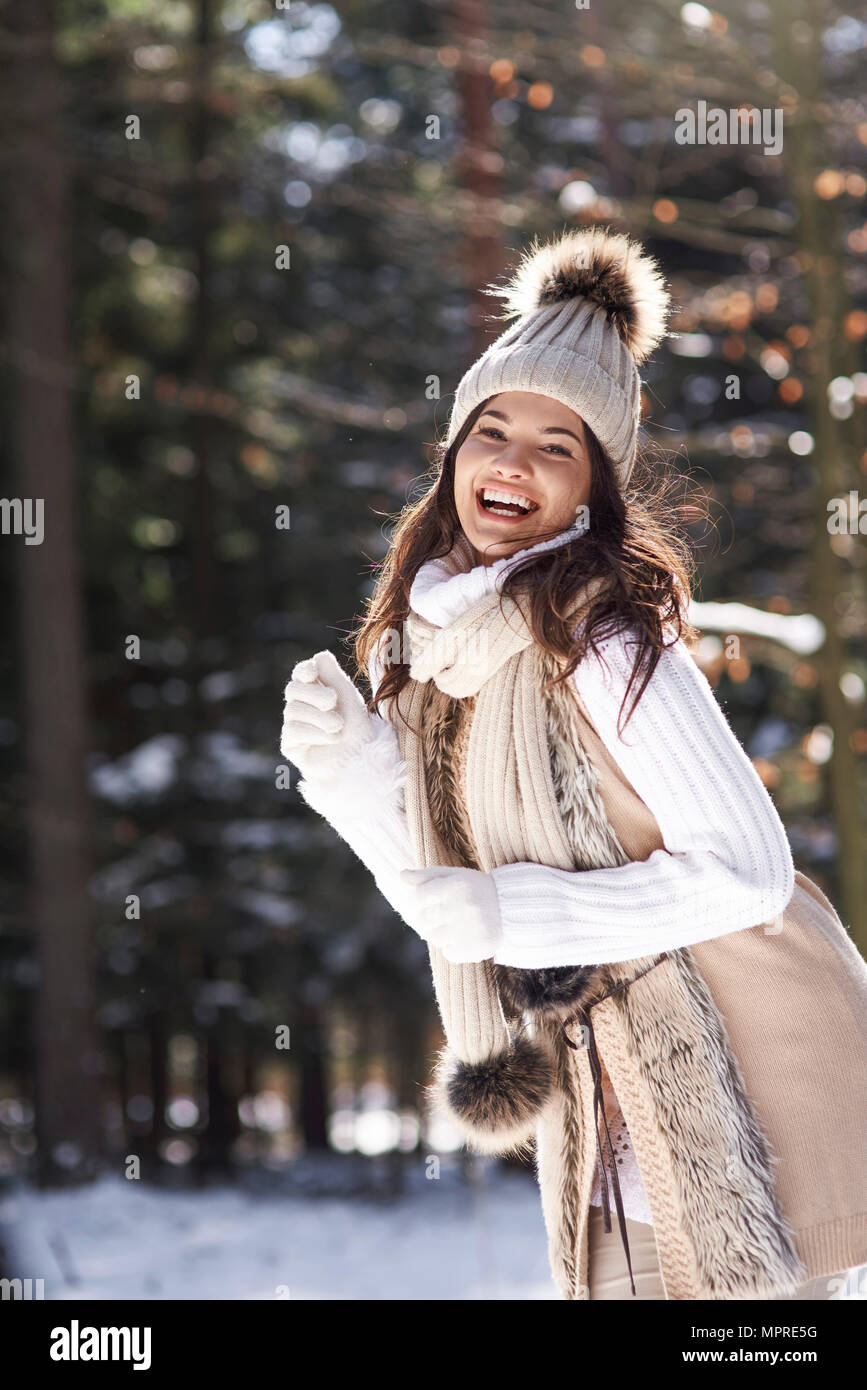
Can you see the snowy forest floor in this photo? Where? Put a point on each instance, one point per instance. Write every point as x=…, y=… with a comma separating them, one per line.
x=449, y=1239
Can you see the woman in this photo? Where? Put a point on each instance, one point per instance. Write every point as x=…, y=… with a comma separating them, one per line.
x=628, y=968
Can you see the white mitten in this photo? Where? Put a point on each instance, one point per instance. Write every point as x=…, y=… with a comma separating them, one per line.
x=325, y=719
x=457, y=910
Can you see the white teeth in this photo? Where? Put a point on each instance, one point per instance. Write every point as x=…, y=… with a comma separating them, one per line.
x=490, y=494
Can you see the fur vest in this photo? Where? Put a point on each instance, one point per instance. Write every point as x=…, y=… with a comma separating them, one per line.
x=540, y=785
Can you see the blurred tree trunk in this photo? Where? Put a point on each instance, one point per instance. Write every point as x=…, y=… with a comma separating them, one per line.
x=51, y=620
x=222, y=1086
x=311, y=1040
x=222, y=1126
x=158, y=1032
x=123, y=1080
x=614, y=157
x=478, y=166
x=821, y=237
x=406, y=1057
x=204, y=218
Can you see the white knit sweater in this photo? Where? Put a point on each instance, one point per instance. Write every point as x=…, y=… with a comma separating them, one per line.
x=726, y=864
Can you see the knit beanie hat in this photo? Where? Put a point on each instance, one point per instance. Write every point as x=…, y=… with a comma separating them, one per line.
x=591, y=306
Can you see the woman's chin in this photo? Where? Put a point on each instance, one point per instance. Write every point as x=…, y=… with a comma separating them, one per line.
x=491, y=548
x=492, y=545
x=498, y=539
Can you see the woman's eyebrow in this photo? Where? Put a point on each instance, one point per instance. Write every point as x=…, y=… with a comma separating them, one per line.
x=551, y=429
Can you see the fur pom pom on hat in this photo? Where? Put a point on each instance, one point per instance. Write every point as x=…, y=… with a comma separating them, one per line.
x=607, y=269
x=589, y=307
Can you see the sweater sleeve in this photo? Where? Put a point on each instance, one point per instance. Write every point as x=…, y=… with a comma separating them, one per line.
x=362, y=799
x=726, y=864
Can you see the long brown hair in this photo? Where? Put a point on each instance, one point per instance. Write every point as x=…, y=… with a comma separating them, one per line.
x=637, y=540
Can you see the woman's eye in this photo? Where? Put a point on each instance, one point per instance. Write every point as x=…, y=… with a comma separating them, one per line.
x=493, y=433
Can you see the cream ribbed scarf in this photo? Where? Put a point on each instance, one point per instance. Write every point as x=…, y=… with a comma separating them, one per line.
x=488, y=651
x=462, y=657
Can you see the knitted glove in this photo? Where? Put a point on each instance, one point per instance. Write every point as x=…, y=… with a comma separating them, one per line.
x=457, y=910
x=325, y=719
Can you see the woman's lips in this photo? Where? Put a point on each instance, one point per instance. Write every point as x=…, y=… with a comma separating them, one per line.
x=505, y=517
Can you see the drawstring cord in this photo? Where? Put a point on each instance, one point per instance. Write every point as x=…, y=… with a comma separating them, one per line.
x=583, y=1018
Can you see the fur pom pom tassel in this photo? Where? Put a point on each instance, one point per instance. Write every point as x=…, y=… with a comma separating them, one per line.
x=555, y=993
x=497, y=1102
x=604, y=267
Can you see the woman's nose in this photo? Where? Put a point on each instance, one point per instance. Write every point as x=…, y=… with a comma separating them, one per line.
x=512, y=460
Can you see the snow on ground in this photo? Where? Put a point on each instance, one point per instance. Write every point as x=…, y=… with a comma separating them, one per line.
x=446, y=1239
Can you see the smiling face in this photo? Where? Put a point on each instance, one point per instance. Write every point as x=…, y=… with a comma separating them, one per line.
x=520, y=473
